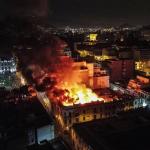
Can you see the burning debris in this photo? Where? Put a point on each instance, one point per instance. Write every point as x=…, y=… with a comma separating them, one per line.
x=72, y=94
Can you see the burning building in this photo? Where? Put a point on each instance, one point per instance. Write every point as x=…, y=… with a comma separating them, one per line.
x=73, y=99
x=78, y=113
x=74, y=85
x=72, y=91
x=70, y=95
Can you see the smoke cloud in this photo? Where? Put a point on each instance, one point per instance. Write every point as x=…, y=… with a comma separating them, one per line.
x=22, y=8
x=47, y=65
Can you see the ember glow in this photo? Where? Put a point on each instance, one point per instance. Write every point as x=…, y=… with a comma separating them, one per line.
x=81, y=95
x=73, y=94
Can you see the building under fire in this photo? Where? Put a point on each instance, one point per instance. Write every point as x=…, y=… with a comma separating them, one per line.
x=69, y=115
x=87, y=100
x=75, y=92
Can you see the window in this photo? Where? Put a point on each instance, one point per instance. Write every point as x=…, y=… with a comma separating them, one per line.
x=65, y=114
x=69, y=121
x=76, y=114
x=94, y=110
x=77, y=119
x=94, y=117
x=69, y=114
x=83, y=118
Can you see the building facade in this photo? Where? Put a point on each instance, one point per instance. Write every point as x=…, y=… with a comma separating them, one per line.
x=67, y=116
x=120, y=69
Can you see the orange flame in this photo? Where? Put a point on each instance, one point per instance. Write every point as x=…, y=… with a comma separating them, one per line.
x=78, y=94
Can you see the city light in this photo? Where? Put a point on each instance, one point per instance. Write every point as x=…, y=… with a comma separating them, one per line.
x=93, y=37
x=144, y=104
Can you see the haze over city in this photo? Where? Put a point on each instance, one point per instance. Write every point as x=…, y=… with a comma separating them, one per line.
x=74, y=75
x=84, y=12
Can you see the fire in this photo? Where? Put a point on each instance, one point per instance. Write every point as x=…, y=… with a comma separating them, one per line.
x=73, y=94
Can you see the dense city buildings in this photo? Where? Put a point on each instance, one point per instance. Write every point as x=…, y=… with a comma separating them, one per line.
x=122, y=69
x=109, y=107
x=72, y=87
x=79, y=78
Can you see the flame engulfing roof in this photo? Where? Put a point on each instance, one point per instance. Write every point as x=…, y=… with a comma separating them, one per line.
x=73, y=94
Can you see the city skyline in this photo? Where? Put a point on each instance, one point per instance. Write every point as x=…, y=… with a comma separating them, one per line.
x=74, y=75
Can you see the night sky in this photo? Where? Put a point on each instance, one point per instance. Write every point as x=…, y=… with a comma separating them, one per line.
x=91, y=12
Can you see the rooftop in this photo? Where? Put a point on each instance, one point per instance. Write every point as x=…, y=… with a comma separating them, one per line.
x=106, y=96
x=128, y=131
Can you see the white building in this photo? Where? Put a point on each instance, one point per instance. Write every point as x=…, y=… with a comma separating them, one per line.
x=7, y=65
x=8, y=68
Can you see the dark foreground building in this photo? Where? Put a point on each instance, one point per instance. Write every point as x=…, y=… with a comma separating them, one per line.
x=127, y=131
x=23, y=123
